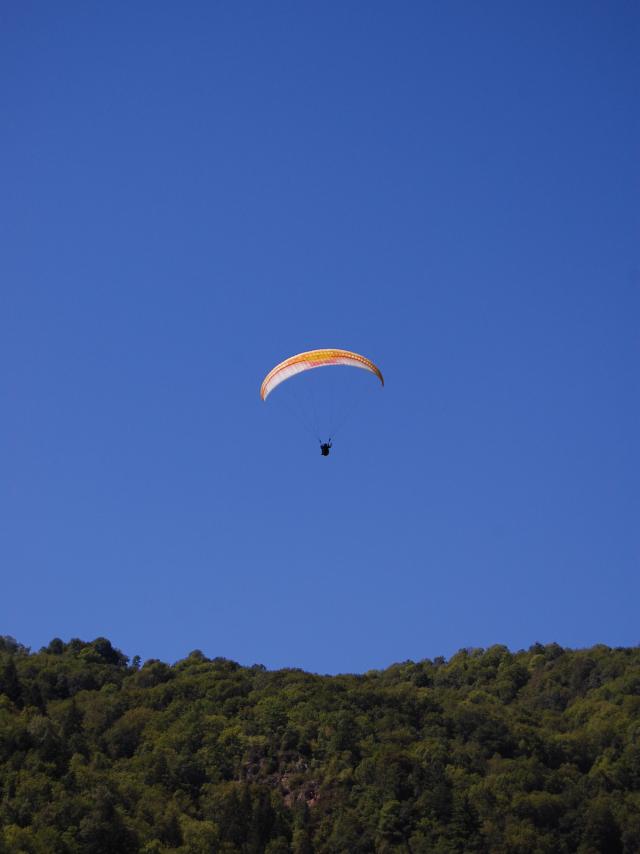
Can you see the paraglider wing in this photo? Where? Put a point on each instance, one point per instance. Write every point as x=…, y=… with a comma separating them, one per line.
x=314, y=359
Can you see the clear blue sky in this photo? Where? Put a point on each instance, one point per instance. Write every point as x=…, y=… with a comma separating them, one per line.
x=191, y=192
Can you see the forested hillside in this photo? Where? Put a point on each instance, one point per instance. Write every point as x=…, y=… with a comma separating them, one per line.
x=535, y=751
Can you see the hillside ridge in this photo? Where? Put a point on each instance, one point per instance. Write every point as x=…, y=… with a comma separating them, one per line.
x=488, y=751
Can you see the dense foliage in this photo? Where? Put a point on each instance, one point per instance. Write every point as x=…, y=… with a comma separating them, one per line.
x=536, y=751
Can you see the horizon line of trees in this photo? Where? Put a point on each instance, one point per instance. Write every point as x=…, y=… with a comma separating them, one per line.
x=488, y=751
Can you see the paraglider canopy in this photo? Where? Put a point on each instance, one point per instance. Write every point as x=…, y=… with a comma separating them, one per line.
x=314, y=359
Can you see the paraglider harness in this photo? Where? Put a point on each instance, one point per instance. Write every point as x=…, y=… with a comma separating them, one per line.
x=325, y=447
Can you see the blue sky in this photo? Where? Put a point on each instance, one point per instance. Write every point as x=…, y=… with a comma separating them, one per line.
x=192, y=193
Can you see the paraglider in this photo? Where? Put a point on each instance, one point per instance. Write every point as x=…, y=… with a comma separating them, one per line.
x=309, y=360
